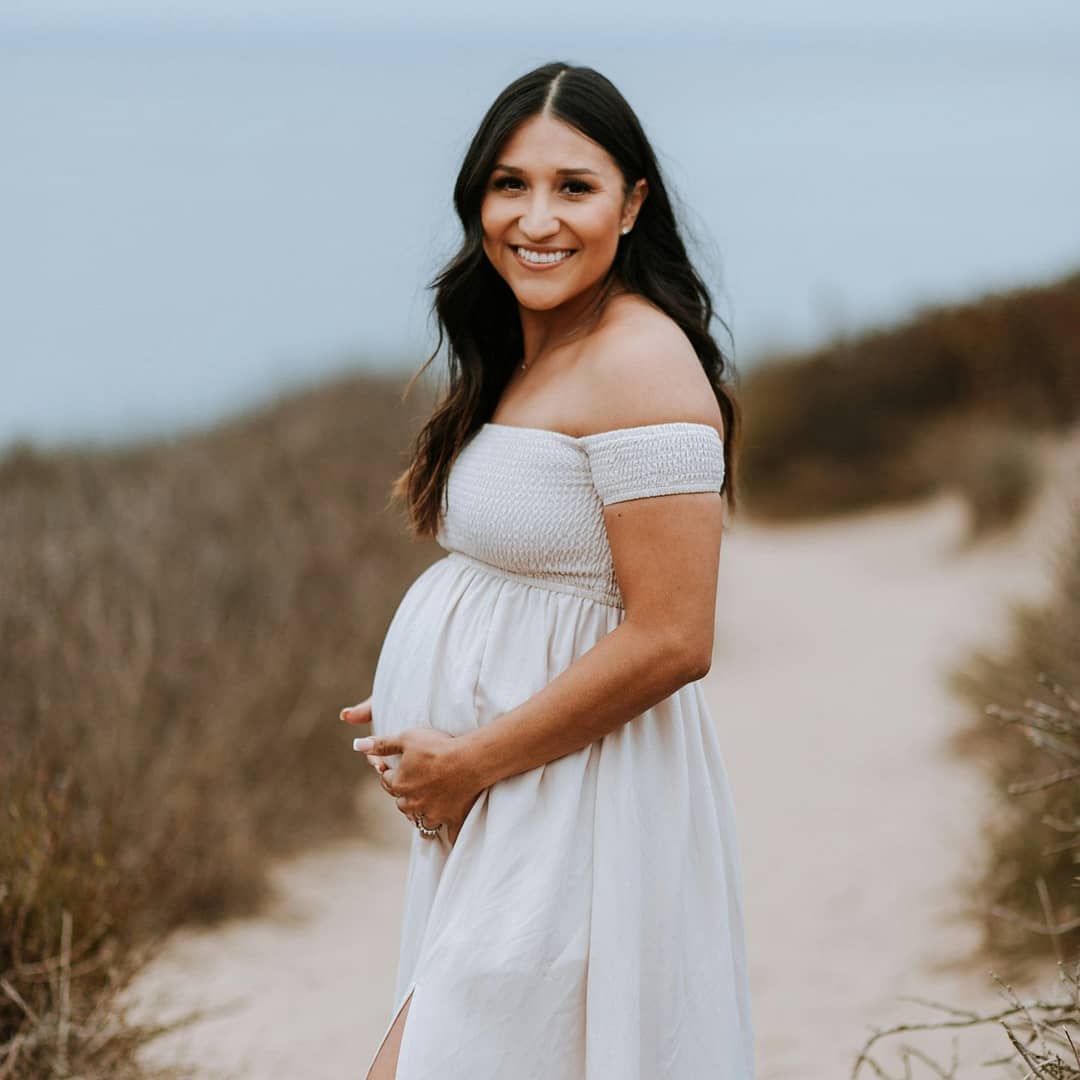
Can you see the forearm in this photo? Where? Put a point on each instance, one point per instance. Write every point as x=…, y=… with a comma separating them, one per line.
x=625, y=673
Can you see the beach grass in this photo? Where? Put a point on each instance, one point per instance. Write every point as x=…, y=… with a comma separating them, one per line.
x=948, y=399
x=181, y=623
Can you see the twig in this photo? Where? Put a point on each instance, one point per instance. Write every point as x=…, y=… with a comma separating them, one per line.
x=1043, y=782
x=13, y=1048
x=1034, y=927
x=1056, y=688
x=18, y=999
x=970, y=1021
x=60, y=1067
x=967, y=1013
x=1048, y=914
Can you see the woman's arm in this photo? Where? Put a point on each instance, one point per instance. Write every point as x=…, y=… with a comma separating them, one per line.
x=666, y=552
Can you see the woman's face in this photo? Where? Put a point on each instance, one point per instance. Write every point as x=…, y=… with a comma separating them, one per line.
x=554, y=192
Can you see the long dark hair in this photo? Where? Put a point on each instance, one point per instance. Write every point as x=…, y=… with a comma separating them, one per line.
x=477, y=311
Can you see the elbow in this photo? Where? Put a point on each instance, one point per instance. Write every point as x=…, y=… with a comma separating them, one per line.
x=690, y=657
x=678, y=651
x=697, y=667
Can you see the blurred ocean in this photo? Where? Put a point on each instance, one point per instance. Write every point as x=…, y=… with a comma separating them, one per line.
x=191, y=220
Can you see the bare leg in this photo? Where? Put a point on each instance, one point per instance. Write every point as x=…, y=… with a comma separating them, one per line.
x=384, y=1066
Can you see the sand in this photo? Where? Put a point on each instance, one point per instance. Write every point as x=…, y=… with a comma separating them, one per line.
x=857, y=827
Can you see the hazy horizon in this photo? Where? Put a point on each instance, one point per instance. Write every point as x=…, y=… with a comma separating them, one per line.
x=201, y=216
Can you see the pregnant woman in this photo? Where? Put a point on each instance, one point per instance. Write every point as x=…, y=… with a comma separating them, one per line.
x=573, y=906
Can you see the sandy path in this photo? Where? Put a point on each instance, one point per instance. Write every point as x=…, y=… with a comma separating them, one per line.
x=827, y=690
x=855, y=824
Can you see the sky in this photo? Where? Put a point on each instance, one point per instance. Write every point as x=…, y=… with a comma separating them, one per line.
x=842, y=164
x=964, y=16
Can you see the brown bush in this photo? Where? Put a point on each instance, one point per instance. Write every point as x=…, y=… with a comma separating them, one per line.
x=180, y=623
x=1025, y=840
x=997, y=469
x=835, y=430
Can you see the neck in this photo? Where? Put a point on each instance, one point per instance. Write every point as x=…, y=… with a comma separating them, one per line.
x=542, y=331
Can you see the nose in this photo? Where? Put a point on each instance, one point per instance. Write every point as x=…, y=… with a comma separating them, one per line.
x=538, y=222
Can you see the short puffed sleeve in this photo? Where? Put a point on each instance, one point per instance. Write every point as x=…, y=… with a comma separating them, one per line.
x=655, y=459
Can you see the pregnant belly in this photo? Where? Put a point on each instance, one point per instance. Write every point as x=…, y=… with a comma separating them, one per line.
x=428, y=663
x=465, y=646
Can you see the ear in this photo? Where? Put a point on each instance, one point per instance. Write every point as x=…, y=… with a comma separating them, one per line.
x=632, y=207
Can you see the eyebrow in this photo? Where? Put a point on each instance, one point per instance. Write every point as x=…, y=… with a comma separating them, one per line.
x=558, y=172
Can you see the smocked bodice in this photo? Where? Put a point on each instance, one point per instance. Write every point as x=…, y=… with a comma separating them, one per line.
x=529, y=502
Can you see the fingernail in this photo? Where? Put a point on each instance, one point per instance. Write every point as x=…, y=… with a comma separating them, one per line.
x=343, y=713
x=363, y=744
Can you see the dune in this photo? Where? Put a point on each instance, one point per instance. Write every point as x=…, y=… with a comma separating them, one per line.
x=857, y=827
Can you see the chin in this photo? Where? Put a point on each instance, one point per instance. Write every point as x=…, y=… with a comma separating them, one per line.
x=545, y=303
x=536, y=296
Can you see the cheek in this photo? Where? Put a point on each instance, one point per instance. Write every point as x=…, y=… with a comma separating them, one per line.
x=600, y=247
x=491, y=230
x=599, y=231
x=493, y=219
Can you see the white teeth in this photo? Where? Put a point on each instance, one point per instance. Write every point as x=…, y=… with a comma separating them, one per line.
x=543, y=257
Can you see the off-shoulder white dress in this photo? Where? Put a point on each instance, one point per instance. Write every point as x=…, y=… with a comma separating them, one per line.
x=587, y=924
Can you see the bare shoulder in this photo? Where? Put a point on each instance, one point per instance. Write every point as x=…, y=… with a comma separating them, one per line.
x=640, y=368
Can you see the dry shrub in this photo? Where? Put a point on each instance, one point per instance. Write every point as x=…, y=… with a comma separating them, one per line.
x=1028, y=840
x=834, y=430
x=1027, y=735
x=998, y=476
x=996, y=468
x=180, y=623
x=1040, y=1037
x=1041, y=1031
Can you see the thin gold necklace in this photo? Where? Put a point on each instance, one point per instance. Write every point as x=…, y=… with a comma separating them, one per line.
x=590, y=317
x=569, y=337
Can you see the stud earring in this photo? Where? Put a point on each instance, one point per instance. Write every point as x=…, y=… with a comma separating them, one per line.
x=626, y=229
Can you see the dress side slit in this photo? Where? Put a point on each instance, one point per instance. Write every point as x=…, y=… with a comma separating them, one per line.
x=384, y=1067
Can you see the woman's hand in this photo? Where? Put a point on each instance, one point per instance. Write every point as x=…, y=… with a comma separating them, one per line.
x=433, y=778
x=361, y=714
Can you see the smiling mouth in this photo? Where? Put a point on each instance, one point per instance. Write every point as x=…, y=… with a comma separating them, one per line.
x=540, y=259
